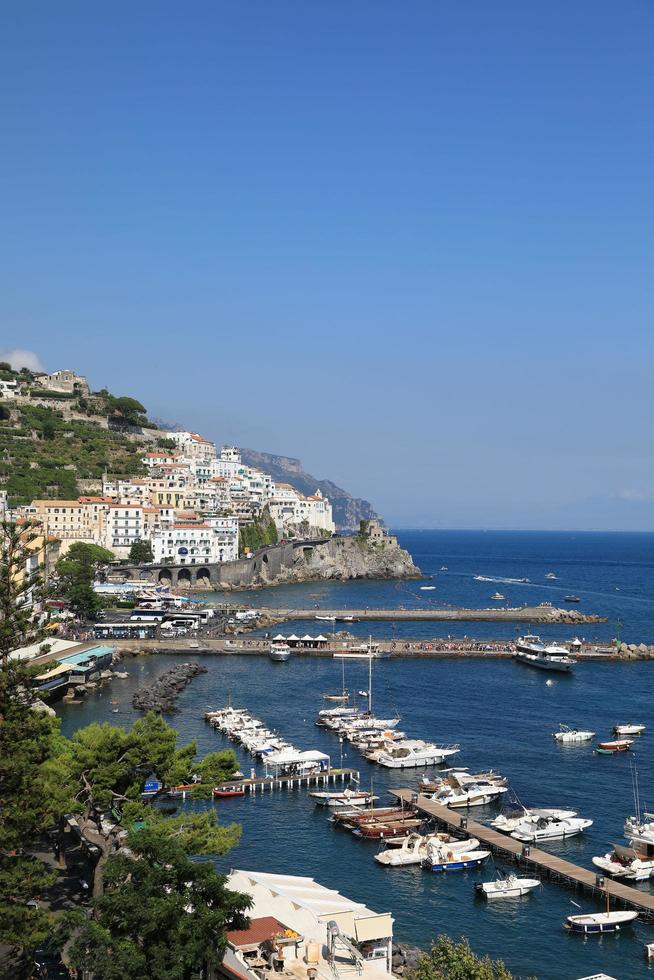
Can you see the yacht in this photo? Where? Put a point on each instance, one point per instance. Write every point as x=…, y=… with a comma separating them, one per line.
x=498, y=597
x=279, y=652
x=414, y=752
x=509, y=820
x=532, y=651
x=534, y=828
x=570, y=736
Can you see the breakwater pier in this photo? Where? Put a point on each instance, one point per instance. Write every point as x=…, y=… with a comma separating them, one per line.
x=517, y=614
x=531, y=858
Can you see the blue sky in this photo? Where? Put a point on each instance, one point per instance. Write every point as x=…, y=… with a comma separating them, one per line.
x=411, y=243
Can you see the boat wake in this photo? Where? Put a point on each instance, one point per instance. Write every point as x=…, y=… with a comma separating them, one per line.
x=498, y=578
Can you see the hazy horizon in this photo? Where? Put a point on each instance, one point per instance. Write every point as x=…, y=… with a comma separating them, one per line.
x=409, y=245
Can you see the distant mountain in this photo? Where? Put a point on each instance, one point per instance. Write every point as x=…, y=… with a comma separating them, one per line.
x=347, y=510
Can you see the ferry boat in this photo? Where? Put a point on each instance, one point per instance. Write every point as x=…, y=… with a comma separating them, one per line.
x=279, y=652
x=532, y=651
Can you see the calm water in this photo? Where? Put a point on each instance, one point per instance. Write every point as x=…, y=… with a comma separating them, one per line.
x=501, y=713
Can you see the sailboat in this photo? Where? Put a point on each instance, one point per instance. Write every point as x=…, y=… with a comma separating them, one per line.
x=344, y=695
x=595, y=922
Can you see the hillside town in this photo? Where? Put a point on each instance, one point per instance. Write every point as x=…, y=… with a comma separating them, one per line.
x=189, y=505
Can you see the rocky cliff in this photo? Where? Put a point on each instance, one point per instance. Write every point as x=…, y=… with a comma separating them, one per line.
x=347, y=510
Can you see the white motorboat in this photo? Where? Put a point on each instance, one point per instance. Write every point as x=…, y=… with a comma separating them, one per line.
x=625, y=862
x=326, y=619
x=414, y=849
x=427, y=588
x=571, y=736
x=498, y=597
x=640, y=830
x=628, y=729
x=535, y=828
x=551, y=575
x=414, y=752
x=443, y=858
x=597, y=922
x=346, y=797
x=467, y=796
x=507, y=822
x=509, y=887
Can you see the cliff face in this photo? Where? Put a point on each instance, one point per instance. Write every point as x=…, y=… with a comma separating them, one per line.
x=338, y=559
x=347, y=510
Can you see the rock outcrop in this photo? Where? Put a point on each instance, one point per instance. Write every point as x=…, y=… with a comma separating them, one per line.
x=340, y=559
x=162, y=694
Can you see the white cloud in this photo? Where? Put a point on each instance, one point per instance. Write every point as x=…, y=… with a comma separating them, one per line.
x=637, y=495
x=22, y=358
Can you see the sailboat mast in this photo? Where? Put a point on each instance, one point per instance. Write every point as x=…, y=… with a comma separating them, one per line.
x=370, y=677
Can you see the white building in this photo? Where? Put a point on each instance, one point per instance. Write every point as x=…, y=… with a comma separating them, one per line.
x=289, y=509
x=125, y=525
x=64, y=381
x=330, y=933
x=213, y=540
x=194, y=445
x=8, y=388
x=3, y=504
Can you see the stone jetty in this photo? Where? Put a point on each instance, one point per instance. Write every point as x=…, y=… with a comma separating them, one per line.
x=162, y=694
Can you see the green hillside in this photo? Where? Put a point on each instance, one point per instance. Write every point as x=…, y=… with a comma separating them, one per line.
x=45, y=450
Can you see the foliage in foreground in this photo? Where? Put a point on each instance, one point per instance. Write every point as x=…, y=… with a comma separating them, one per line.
x=76, y=573
x=449, y=960
x=162, y=915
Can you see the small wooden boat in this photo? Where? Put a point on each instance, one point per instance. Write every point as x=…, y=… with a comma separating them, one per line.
x=599, y=921
x=509, y=887
x=377, y=831
x=226, y=792
x=616, y=745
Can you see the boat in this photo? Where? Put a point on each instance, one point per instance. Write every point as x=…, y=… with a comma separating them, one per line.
x=227, y=792
x=510, y=819
x=279, y=652
x=326, y=619
x=444, y=568
x=458, y=797
x=443, y=858
x=628, y=729
x=387, y=828
x=427, y=588
x=571, y=598
x=507, y=887
x=625, y=862
x=570, y=736
x=551, y=575
x=346, y=797
x=344, y=695
x=414, y=849
x=597, y=922
x=530, y=650
x=615, y=745
x=535, y=828
x=497, y=596
x=414, y=752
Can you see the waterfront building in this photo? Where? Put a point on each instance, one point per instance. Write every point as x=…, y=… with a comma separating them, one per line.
x=193, y=542
x=332, y=933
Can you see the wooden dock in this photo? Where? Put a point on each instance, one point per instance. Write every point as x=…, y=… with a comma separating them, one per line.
x=263, y=783
x=532, y=858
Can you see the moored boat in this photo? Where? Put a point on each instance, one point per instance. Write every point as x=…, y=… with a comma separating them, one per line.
x=536, y=828
x=226, y=792
x=509, y=820
x=279, y=652
x=443, y=858
x=628, y=729
x=597, y=922
x=615, y=745
x=509, y=887
x=414, y=849
x=625, y=862
x=570, y=736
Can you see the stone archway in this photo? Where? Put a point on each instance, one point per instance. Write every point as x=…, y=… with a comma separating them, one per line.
x=203, y=578
x=165, y=577
x=184, y=578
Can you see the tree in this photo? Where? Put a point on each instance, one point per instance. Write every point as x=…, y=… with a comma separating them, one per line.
x=141, y=552
x=76, y=572
x=19, y=586
x=161, y=916
x=127, y=411
x=448, y=960
x=104, y=770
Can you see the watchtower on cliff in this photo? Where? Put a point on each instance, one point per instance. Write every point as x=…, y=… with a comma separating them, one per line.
x=376, y=533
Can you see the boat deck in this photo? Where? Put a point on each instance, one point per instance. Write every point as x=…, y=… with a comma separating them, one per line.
x=263, y=783
x=530, y=857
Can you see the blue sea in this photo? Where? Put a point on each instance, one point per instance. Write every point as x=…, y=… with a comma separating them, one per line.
x=501, y=713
